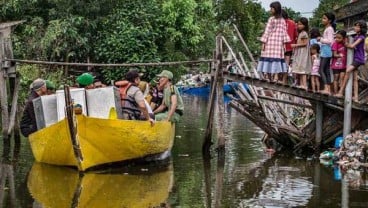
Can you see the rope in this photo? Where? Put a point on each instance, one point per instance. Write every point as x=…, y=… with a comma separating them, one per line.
x=109, y=65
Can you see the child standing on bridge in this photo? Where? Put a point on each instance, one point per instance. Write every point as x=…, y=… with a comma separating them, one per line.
x=315, y=67
x=302, y=64
x=338, y=62
x=274, y=38
x=360, y=27
x=326, y=40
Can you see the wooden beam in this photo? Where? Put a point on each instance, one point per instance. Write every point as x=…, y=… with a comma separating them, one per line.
x=352, y=9
x=293, y=91
x=10, y=24
x=283, y=101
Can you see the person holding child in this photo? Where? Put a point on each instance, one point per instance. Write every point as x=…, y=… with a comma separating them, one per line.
x=315, y=67
x=273, y=40
x=302, y=64
x=338, y=62
x=360, y=28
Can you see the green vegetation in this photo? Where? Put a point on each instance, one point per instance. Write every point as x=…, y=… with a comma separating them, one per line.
x=123, y=31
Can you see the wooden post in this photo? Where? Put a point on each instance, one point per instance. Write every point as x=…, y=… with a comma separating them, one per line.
x=348, y=94
x=14, y=105
x=220, y=98
x=219, y=180
x=3, y=98
x=319, y=123
x=207, y=142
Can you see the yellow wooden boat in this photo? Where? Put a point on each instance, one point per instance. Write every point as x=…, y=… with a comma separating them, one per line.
x=59, y=187
x=101, y=141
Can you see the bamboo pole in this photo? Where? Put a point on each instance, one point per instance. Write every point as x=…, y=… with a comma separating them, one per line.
x=109, y=65
x=245, y=45
x=234, y=56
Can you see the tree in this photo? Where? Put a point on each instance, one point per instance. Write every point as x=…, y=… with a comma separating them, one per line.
x=323, y=7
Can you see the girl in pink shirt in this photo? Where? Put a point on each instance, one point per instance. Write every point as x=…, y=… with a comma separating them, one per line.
x=338, y=61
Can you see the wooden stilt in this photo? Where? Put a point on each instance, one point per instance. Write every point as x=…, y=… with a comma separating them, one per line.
x=13, y=111
x=4, y=105
x=220, y=98
x=319, y=123
x=207, y=142
x=219, y=179
x=348, y=94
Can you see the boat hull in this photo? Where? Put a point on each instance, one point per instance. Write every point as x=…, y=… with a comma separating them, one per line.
x=54, y=186
x=101, y=141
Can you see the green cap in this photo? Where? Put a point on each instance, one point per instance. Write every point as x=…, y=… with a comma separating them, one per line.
x=167, y=74
x=50, y=85
x=85, y=79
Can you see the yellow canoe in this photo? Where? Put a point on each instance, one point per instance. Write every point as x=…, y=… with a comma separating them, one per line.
x=101, y=141
x=59, y=187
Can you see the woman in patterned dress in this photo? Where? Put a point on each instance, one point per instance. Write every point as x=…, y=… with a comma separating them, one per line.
x=273, y=40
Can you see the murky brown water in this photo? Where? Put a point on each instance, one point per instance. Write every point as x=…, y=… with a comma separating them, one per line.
x=247, y=178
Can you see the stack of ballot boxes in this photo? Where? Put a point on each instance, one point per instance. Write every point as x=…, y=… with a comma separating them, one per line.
x=45, y=108
x=78, y=96
x=97, y=103
x=101, y=101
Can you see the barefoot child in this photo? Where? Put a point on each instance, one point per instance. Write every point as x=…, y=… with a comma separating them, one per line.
x=338, y=62
x=274, y=38
x=326, y=53
x=360, y=27
x=315, y=67
x=302, y=63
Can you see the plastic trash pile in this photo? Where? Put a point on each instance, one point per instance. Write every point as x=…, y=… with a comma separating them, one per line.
x=349, y=153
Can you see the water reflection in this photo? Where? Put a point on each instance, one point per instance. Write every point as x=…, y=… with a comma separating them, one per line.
x=59, y=187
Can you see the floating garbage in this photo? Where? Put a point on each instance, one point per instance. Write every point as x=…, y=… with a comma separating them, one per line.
x=326, y=155
x=338, y=142
x=353, y=149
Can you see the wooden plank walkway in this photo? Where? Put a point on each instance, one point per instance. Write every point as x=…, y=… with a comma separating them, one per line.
x=299, y=92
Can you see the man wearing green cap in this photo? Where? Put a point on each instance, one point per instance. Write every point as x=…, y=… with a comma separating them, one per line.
x=50, y=87
x=85, y=80
x=172, y=107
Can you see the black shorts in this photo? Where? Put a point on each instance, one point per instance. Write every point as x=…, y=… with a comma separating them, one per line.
x=356, y=64
x=288, y=53
x=338, y=71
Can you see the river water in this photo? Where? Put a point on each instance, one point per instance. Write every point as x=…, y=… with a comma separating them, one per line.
x=249, y=177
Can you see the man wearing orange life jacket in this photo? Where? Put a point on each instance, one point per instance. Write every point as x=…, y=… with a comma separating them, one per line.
x=132, y=99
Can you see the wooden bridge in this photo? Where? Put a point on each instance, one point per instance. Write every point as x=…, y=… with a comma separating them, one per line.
x=331, y=101
x=294, y=117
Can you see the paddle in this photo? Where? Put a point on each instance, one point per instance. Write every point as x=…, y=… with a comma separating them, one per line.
x=72, y=124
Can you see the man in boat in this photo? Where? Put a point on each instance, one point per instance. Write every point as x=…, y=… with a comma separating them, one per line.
x=85, y=80
x=156, y=95
x=172, y=107
x=132, y=98
x=98, y=84
x=50, y=86
x=28, y=124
